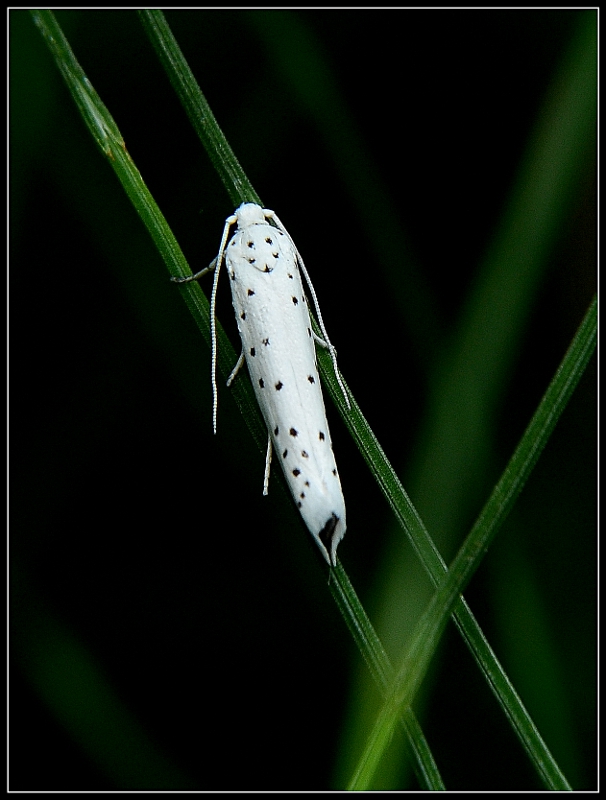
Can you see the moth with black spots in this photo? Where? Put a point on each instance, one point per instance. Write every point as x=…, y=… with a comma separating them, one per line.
x=278, y=343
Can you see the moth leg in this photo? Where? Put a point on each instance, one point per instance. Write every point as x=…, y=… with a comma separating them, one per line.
x=236, y=369
x=333, y=354
x=326, y=342
x=321, y=342
x=267, y=465
x=198, y=275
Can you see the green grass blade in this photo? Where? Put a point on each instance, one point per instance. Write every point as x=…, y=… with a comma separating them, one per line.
x=466, y=622
x=108, y=137
x=469, y=383
x=105, y=131
x=211, y=136
x=382, y=672
x=199, y=112
x=107, y=134
x=431, y=625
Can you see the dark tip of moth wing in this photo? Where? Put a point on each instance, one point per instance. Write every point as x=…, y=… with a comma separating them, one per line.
x=325, y=536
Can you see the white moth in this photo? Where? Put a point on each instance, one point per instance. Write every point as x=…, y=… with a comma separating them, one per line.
x=264, y=268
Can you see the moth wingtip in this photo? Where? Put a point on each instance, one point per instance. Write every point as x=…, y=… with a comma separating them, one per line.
x=330, y=536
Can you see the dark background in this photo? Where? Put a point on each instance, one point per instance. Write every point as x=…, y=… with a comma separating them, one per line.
x=170, y=627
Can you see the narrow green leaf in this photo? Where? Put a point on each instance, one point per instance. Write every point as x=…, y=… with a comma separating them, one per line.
x=107, y=135
x=106, y=132
x=201, y=117
x=432, y=623
x=468, y=384
x=382, y=672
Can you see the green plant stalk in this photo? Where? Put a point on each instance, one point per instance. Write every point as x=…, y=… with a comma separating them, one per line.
x=563, y=134
x=490, y=667
x=107, y=135
x=111, y=143
x=431, y=625
x=381, y=670
x=219, y=150
x=224, y=159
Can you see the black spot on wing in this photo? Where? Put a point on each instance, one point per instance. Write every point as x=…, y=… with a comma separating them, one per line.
x=326, y=534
